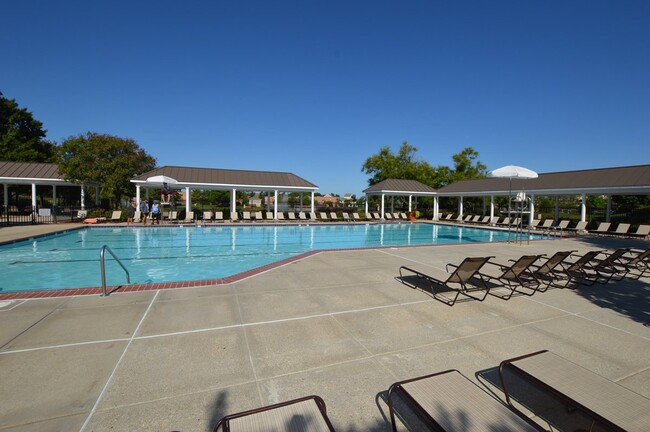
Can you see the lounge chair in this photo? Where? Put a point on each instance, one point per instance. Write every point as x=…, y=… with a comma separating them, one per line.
x=281, y=216
x=485, y=220
x=304, y=414
x=517, y=276
x=494, y=220
x=291, y=216
x=603, y=228
x=137, y=217
x=534, y=223
x=269, y=216
x=234, y=217
x=116, y=216
x=403, y=216
x=189, y=217
x=376, y=216
x=594, y=402
x=588, y=269
x=504, y=222
x=356, y=217
x=564, y=224
x=449, y=401
x=258, y=216
x=346, y=217
x=207, y=216
x=334, y=217
x=547, y=224
x=324, y=217
x=312, y=216
x=621, y=229
x=637, y=265
x=218, y=216
x=302, y=216
x=552, y=271
x=173, y=216
x=581, y=227
x=642, y=231
x=464, y=279
x=246, y=216
x=476, y=219
x=467, y=219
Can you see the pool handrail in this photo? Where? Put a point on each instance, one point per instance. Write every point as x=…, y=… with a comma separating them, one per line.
x=103, y=268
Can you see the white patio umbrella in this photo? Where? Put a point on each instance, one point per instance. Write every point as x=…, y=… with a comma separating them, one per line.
x=510, y=172
x=160, y=179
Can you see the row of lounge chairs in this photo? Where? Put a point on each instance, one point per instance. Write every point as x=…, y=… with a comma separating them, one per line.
x=604, y=228
x=449, y=401
x=246, y=216
x=529, y=274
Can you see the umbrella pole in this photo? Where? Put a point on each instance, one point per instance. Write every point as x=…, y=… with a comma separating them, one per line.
x=509, y=206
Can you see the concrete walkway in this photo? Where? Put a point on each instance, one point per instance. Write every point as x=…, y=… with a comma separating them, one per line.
x=336, y=324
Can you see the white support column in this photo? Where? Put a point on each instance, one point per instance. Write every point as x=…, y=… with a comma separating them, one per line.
x=608, y=212
x=312, y=201
x=410, y=203
x=382, y=207
x=33, y=196
x=188, y=200
x=583, y=208
x=491, y=207
x=367, y=197
x=137, y=195
x=531, y=209
x=233, y=202
x=460, y=206
x=83, y=198
x=436, y=208
x=275, y=206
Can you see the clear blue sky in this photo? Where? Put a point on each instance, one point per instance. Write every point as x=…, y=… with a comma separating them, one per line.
x=316, y=87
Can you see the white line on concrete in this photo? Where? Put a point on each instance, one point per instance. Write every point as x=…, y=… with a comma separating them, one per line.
x=117, y=365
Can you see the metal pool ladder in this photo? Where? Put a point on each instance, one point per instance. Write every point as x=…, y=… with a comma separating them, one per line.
x=103, y=267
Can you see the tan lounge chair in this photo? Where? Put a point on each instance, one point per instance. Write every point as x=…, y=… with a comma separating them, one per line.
x=324, y=217
x=258, y=216
x=603, y=228
x=516, y=276
x=452, y=402
x=207, y=216
x=116, y=216
x=292, y=216
x=269, y=216
x=621, y=229
x=234, y=217
x=464, y=279
x=600, y=403
x=218, y=216
x=642, y=231
x=302, y=216
x=334, y=217
x=307, y=414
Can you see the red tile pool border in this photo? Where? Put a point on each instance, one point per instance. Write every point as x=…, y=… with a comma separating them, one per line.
x=21, y=295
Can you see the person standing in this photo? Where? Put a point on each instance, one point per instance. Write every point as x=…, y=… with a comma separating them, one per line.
x=132, y=209
x=144, y=210
x=155, y=213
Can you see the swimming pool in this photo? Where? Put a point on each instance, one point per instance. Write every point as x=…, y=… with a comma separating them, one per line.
x=172, y=254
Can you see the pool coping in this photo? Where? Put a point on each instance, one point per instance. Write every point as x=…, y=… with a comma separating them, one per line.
x=110, y=289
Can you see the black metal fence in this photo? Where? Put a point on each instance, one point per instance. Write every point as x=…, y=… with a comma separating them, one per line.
x=13, y=216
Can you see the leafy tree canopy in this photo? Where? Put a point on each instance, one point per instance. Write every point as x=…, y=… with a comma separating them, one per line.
x=105, y=159
x=22, y=138
x=404, y=165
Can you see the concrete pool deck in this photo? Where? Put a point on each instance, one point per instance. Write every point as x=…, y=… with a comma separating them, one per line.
x=336, y=324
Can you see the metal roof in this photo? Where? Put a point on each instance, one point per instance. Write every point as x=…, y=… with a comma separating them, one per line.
x=224, y=179
x=31, y=172
x=400, y=187
x=628, y=180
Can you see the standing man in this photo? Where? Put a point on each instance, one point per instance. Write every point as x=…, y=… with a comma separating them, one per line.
x=144, y=210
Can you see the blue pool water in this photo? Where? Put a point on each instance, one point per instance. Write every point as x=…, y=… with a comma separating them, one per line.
x=172, y=254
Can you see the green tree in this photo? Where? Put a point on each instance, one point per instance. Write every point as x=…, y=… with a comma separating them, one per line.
x=403, y=165
x=22, y=138
x=467, y=166
x=105, y=159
